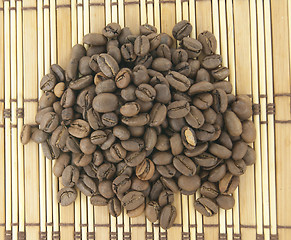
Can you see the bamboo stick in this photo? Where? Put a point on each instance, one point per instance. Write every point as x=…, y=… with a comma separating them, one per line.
x=121, y=13
x=2, y=133
x=138, y=227
x=120, y=226
x=80, y=19
x=40, y=61
x=150, y=12
x=107, y=12
x=185, y=7
x=192, y=19
x=263, y=102
x=54, y=184
x=132, y=20
x=64, y=50
x=157, y=14
x=126, y=228
x=168, y=17
x=113, y=227
x=102, y=224
x=31, y=164
x=199, y=220
x=255, y=89
x=84, y=225
x=48, y=164
x=21, y=190
x=7, y=122
x=281, y=70
x=97, y=15
x=14, y=139
x=143, y=12
x=114, y=10
x=86, y=16
x=271, y=131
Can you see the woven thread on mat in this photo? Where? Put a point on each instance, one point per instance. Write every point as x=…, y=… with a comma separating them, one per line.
x=222, y=236
x=42, y=235
x=32, y=8
x=7, y=113
x=274, y=237
x=21, y=236
x=77, y=235
x=149, y=235
x=185, y=235
x=8, y=235
x=56, y=235
x=126, y=235
x=260, y=237
x=30, y=100
x=167, y=1
x=63, y=6
x=96, y=4
x=271, y=108
x=200, y=236
x=236, y=236
x=20, y=112
x=91, y=235
x=256, y=109
x=163, y=236
x=113, y=235
x=130, y=3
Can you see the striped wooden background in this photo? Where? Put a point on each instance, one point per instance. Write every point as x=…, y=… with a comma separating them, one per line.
x=254, y=40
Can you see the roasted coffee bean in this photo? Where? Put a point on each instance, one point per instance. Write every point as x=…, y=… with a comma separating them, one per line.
x=217, y=173
x=114, y=207
x=48, y=82
x=98, y=200
x=105, y=189
x=248, y=131
x=79, y=128
x=147, y=29
x=225, y=201
x=58, y=71
x=200, y=87
x=133, y=144
x=70, y=176
x=202, y=75
x=66, y=196
x=225, y=140
x=137, y=120
x=72, y=144
x=112, y=30
x=132, y=200
x=106, y=171
x=162, y=158
x=184, y=165
x=145, y=170
x=205, y=160
x=183, y=68
x=237, y=168
x=170, y=183
x=123, y=77
x=145, y=92
x=219, y=151
x=25, y=134
x=86, y=146
x=117, y=152
x=121, y=132
x=81, y=160
x=163, y=143
x=139, y=185
x=166, y=197
x=242, y=107
x=114, y=52
x=109, y=119
x=130, y=109
x=228, y=184
x=108, y=65
x=232, y=123
x=192, y=46
x=40, y=113
x=106, y=86
x=49, y=122
x=167, y=171
x=211, y=61
x=161, y=64
x=206, y=206
x=164, y=51
x=95, y=39
x=176, y=144
x=209, y=190
x=46, y=100
x=152, y=211
x=141, y=45
x=178, y=109
x=189, y=183
x=239, y=150
x=199, y=149
x=188, y=138
x=157, y=115
x=208, y=41
x=179, y=55
x=86, y=185
x=182, y=29
x=109, y=141
x=203, y=101
x=127, y=52
x=250, y=156
x=94, y=119
x=105, y=102
x=220, y=101
x=135, y=158
x=150, y=138
x=168, y=216
x=220, y=73
x=136, y=212
x=178, y=81
x=61, y=163
x=205, y=133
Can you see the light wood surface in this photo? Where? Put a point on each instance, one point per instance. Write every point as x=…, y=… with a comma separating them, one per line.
x=254, y=40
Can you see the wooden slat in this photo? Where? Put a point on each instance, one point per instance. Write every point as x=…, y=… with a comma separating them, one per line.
x=31, y=161
x=281, y=68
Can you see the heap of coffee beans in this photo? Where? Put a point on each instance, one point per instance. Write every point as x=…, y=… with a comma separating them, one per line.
x=134, y=120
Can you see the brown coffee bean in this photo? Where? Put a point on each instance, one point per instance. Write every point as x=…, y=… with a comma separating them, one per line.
x=250, y=156
x=114, y=207
x=167, y=171
x=200, y=87
x=220, y=73
x=205, y=133
x=132, y=200
x=70, y=176
x=161, y=64
x=225, y=140
x=95, y=39
x=208, y=41
x=79, y=128
x=202, y=75
x=58, y=71
x=81, y=160
x=163, y=94
x=59, y=137
x=66, y=196
x=225, y=201
x=123, y=77
x=205, y=160
x=61, y=163
x=150, y=138
x=98, y=200
x=219, y=151
x=105, y=86
x=133, y=144
x=127, y=52
x=121, y=132
x=135, y=158
x=189, y=183
x=166, y=197
x=242, y=107
x=203, y=101
x=86, y=185
x=25, y=134
x=170, y=183
x=217, y=173
x=232, y=123
x=162, y=158
x=157, y=115
x=178, y=81
x=211, y=61
x=176, y=144
x=48, y=82
x=141, y=45
x=178, y=109
x=188, y=138
x=139, y=185
x=228, y=184
x=106, y=171
x=105, y=189
x=105, y=102
x=163, y=143
x=94, y=119
x=206, y=206
x=164, y=51
x=117, y=152
x=108, y=65
x=86, y=146
x=152, y=211
x=248, y=131
x=168, y=216
x=49, y=122
x=184, y=165
x=239, y=150
x=220, y=100
x=237, y=167
x=145, y=170
x=112, y=30
x=137, y=120
x=182, y=29
x=199, y=149
x=209, y=190
x=192, y=46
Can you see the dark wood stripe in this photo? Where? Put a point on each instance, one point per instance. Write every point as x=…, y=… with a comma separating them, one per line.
x=282, y=95
x=211, y=225
x=2, y=224
x=13, y=100
x=101, y=225
x=63, y=6
x=2, y=126
x=43, y=235
x=264, y=122
x=274, y=237
x=30, y=100
x=184, y=1
x=222, y=236
x=31, y=224
x=66, y=224
x=114, y=3
x=263, y=96
x=131, y=3
x=137, y=225
x=46, y=6
x=79, y=5
x=283, y=121
x=193, y=225
x=229, y=226
x=21, y=235
x=49, y=224
x=2, y=100
x=167, y=1
x=248, y=226
x=12, y=8
x=120, y=225
x=283, y=227
x=150, y=2
x=96, y=4
x=83, y=225
x=13, y=125
x=29, y=8
x=260, y=237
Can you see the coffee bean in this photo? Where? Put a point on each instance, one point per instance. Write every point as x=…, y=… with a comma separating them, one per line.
x=219, y=151
x=86, y=185
x=167, y=171
x=228, y=184
x=200, y=87
x=209, y=190
x=132, y=200
x=176, y=144
x=70, y=176
x=232, y=123
x=237, y=168
x=48, y=82
x=178, y=109
x=133, y=144
x=189, y=183
x=123, y=77
x=178, y=81
x=217, y=173
x=137, y=120
x=199, y=149
x=239, y=150
x=81, y=160
x=242, y=107
x=211, y=61
x=206, y=206
x=111, y=30
x=248, y=131
x=250, y=156
x=203, y=101
x=205, y=160
x=188, y=138
x=157, y=115
x=145, y=170
x=25, y=134
x=166, y=197
x=162, y=158
x=98, y=200
x=66, y=196
x=114, y=207
x=150, y=138
x=68, y=98
x=152, y=211
x=192, y=46
x=46, y=100
x=220, y=101
x=94, y=119
x=164, y=51
x=117, y=152
x=208, y=41
x=61, y=163
x=135, y=158
x=127, y=52
x=163, y=143
x=225, y=201
x=95, y=39
x=108, y=65
x=182, y=29
x=220, y=73
x=161, y=64
x=141, y=45
x=58, y=71
x=179, y=55
x=184, y=165
x=79, y=128
x=105, y=102
x=168, y=216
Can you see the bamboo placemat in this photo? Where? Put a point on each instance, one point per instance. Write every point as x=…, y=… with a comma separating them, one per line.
x=254, y=40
